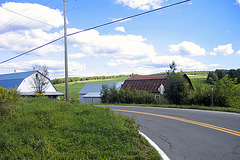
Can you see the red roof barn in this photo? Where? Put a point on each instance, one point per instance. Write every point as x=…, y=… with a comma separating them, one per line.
x=149, y=83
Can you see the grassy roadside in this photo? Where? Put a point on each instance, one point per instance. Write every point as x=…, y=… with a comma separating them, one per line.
x=42, y=128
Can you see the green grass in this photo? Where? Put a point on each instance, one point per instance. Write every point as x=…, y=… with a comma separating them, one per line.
x=42, y=128
x=199, y=80
x=75, y=87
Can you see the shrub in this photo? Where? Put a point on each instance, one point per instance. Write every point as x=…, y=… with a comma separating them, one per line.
x=113, y=95
x=176, y=88
x=225, y=93
x=6, y=99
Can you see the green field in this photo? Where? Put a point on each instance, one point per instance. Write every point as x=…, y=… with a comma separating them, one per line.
x=199, y=80
x=75, y=87
x=43, y=128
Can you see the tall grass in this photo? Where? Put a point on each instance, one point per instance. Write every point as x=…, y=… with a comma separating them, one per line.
x=42, y=128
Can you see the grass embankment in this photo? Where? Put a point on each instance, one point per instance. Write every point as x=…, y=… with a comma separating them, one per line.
x=42, y=128
x=75, y=87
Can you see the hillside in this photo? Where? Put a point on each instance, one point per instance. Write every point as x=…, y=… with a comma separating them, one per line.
x=43, y=128
x=74, y=87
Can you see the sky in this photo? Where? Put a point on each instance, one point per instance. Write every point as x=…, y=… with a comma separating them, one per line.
x=199, y=35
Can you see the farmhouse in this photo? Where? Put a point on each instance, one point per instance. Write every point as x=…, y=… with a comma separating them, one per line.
x=24, y=83
x=91, y=92
x=149, y=83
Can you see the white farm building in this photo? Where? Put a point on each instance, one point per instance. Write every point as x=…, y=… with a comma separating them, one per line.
x=24, y=83
x=91, y=92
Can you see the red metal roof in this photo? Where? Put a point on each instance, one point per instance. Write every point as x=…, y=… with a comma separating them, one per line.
x=149, y=83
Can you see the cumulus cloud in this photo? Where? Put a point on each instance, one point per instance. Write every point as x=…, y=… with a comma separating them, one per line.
x=159, y=64
x=120, y=29
x=187, y=48
x=45, y=18
x=141, y=4
x=238, y=2
x=77, y=55
x=25, y=26
x=133, y=54
x=56, y=68
x=184, y=63
x=22, y=41
x=128, y=46
x=223, y=49
x=238, y=52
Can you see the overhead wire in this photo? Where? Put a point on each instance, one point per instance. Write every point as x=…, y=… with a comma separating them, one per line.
x=70, y=10
x=30, y=23
x=27, y=17
x=21, y=14
x=98, y=26
x=92, y=55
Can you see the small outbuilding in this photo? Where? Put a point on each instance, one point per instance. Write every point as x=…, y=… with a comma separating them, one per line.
x=25, y=84
x=91, y=92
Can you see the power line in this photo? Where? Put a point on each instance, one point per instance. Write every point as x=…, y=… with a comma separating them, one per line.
x=93, y=55
x=83, y=6
x=98, y=26
x=27, y=17
x=21, y=14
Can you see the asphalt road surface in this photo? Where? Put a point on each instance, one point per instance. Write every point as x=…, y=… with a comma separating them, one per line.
x=189, y=134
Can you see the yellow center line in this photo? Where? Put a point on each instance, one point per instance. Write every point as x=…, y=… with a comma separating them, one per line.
x=187, y=121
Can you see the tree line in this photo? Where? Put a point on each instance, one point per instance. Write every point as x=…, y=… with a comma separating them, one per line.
x=221, y=73
x=74, y=79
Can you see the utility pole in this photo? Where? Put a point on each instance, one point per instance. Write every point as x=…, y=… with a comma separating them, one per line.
x=66, y=56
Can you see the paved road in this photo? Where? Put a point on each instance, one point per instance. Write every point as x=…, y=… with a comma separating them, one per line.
x=189, y=134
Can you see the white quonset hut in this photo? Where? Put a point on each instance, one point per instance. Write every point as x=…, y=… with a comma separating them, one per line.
x=91, y=92
x=23, y=83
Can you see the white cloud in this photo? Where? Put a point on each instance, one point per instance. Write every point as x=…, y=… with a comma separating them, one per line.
x=127, y=46
x=223, y=49
x=159, y=64
x=187, y=48
x=56, y=68
x=77, y=55
x=50, y=18
x=20, y=34
x=238, y=52
x=238, y=2
x=120, y=29
x=22, y=41
x=141, y=4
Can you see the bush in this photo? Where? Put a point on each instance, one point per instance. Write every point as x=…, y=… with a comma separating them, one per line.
x=6, y=99
x=113, y=95
x=225, y=93
x=176, y=89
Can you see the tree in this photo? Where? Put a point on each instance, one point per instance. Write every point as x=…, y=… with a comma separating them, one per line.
x=176, y=87
x=39, y=80
x=173, y=67
x=104, y=94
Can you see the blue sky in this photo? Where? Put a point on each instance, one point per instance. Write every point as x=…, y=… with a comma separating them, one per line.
x=198, y=35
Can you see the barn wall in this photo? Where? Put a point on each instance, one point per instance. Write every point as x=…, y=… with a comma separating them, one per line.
x=26, y=85
x=91, y=100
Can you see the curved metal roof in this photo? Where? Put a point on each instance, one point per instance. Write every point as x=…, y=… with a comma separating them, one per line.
x=13, y=80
